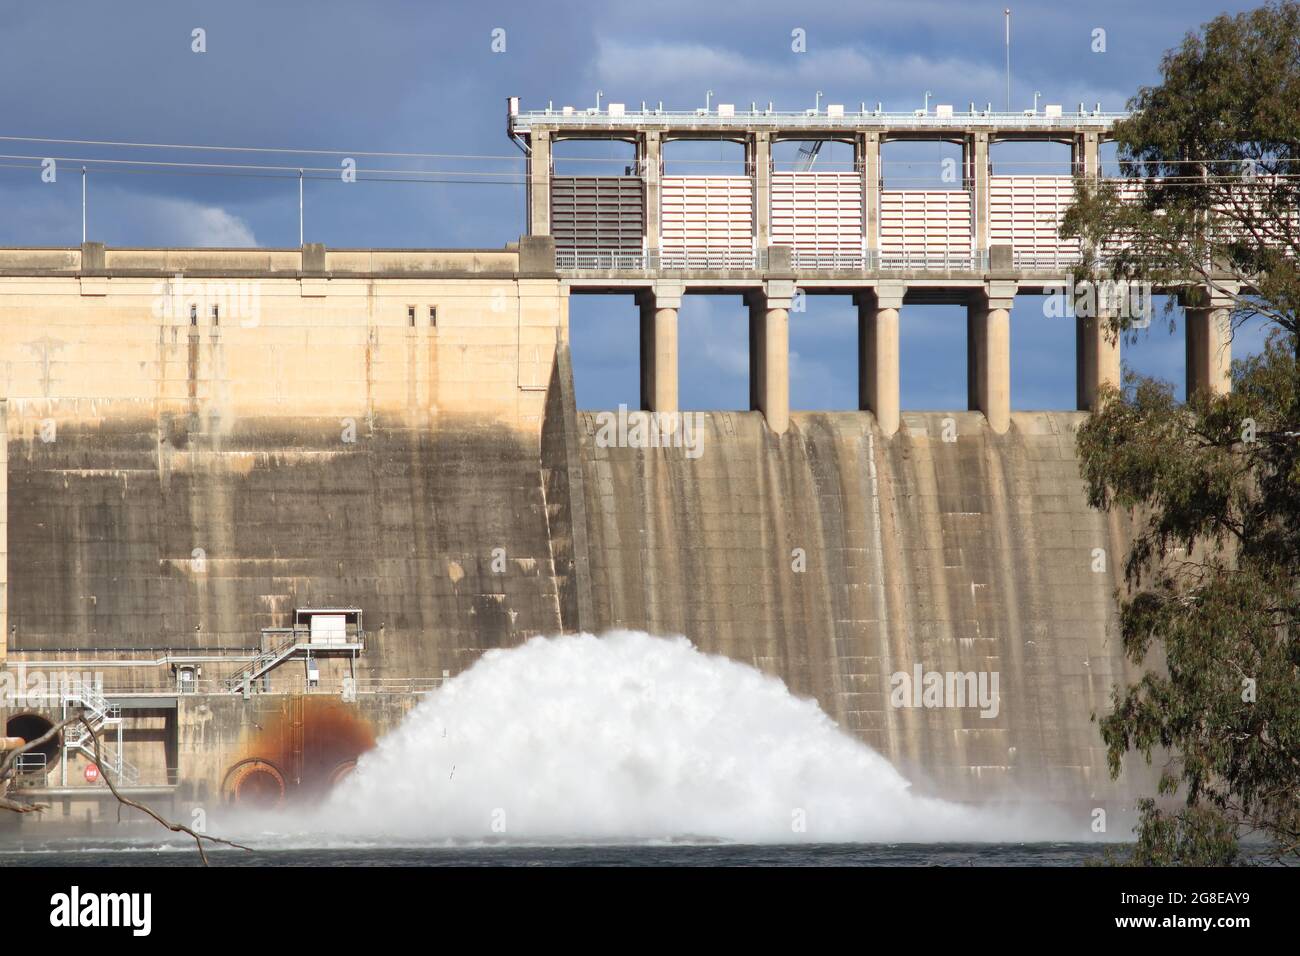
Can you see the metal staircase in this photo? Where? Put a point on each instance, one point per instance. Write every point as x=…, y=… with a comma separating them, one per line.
x=262, y=663
x=101, y=715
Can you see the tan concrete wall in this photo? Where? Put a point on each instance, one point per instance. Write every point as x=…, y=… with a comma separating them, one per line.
x=137, y=440
x=207, y=737
x=282, y=347
x=217, y=733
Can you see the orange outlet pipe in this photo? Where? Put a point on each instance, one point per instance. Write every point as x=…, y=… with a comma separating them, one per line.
x=12, y=743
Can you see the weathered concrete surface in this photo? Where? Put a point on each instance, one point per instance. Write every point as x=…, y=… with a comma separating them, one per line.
x=193, y=455
x=311, y=741
x=974, y=555
x=566, y=500
x=141, y=536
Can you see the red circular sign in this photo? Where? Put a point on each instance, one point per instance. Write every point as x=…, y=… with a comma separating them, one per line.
x=92, y=773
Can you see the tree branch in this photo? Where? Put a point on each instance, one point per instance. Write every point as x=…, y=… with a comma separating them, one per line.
x=6, y=772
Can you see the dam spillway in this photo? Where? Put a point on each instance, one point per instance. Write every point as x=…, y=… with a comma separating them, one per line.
x=836, y=559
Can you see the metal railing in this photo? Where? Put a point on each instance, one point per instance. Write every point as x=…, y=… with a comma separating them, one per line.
x=1045, y=261
x=813, y=119
x=31, y=763
x=597, y=261
x=802, y=260
x=831, y=261
x=283, y=684
x=262, y=663
x=398, y=685
x=601, y=261
x=974, y=261
x=99, y=714
x=360, y=686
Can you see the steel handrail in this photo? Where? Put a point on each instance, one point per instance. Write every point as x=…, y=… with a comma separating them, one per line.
x=269, y=656
x=583, y=118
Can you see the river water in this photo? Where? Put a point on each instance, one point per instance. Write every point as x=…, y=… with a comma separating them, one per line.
x=175, y=853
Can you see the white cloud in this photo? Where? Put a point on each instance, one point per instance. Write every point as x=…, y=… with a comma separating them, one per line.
x=687, y=66
x=680, y=72
x=50, y=215
x=712, y=339
x=182, y=222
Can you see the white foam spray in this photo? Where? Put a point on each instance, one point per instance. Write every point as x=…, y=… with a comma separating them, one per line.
x=632, y=737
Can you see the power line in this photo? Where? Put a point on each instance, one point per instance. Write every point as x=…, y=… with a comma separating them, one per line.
x=400, y=177
x=281, y=150
x=254, y=149
x=111, y=166
x=277, y=176
x=518, y=174
x=294, y=170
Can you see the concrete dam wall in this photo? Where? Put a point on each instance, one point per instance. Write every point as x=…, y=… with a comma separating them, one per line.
x=192, y=459
x=141, y=537
x=396, y=433
x=836, y=559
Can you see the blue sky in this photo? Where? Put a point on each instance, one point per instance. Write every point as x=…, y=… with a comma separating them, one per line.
x=422, y=77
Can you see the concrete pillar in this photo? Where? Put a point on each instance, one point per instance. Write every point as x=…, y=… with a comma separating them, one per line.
x=659, y=347
x=1097, y=359
x=878, y=353
x=1209, y=350
x=1087, y=155
x=759, y=147
x=539, y=183
x=315, y=258
x=868, y=159
x=774, y=399
x=988, y=354
x=651, y=160
x=769, y=356
x=977, y=171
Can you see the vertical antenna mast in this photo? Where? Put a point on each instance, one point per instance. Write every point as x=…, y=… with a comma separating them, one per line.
x=1007, y=14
